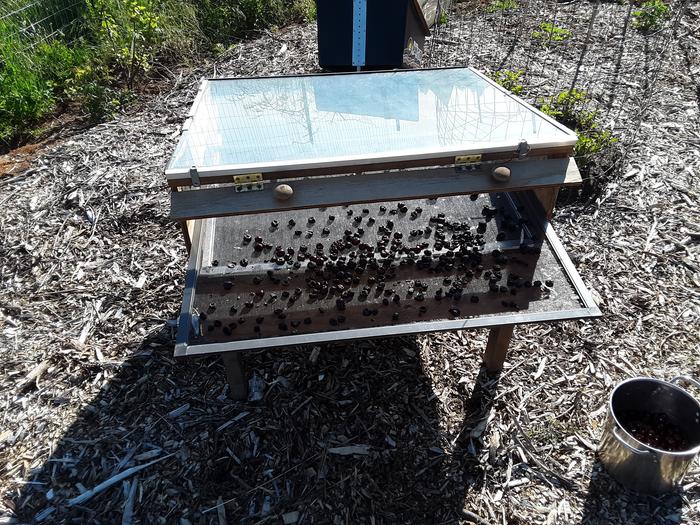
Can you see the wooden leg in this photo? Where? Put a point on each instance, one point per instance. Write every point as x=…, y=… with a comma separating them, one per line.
x=548, y=199
x=237, y=383
x=186, y=228
x=497, y=347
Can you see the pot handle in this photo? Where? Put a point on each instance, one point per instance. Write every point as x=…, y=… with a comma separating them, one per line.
x=688, y=379
x=627, y=445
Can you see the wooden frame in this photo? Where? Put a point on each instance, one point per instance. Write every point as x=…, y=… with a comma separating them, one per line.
x=503, y=152
x=374, y=187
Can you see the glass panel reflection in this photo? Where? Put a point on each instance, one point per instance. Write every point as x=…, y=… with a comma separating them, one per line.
x=317, y=118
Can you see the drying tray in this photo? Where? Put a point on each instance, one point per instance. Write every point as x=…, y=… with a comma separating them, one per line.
x=517, y=238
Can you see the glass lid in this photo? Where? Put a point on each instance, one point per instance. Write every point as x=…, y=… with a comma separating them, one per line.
x=282, y=123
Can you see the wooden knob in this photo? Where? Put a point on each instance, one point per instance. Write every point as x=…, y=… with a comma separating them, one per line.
x=501, y=173
x=283, y=192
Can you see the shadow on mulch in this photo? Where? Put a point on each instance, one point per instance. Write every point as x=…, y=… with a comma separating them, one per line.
x=267, y=458
x=604, y=494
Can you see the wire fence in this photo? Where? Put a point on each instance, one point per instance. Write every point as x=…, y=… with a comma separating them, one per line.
x=547, y=46
x=551, y=47
x=24, y=25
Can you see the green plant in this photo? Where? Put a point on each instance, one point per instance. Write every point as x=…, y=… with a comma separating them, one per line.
x=592, y=142
x=128, y=32
x=549, y=32
x=569, y=108
x=650, y=15
x=442, y=19
x=93, y=52
x=510, y=80
x=56, y=63
x=304, y=10
x=223, y=20
x=92, y=87
x=24, y=96
x=502, y=5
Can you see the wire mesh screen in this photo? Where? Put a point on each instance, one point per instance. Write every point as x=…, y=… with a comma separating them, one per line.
x=552, y=47
x=24, y=25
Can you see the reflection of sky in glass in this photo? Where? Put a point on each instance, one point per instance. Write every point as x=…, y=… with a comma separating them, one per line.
x=252, y=121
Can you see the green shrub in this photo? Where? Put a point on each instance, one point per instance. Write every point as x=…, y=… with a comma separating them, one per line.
x=304, y=10
x=510, y=80
x=651, y=15
x=568, y=107
x=24, y=96
x=56, y=63
x=94, y=51
x=127, y=33
x=92, y=87
x=549, y=32
x=502, y=5
x=223, y=20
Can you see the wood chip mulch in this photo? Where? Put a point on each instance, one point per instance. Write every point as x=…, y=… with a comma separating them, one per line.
x=101, y=425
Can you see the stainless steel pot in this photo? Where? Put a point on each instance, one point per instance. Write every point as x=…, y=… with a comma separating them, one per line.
x=636, y=465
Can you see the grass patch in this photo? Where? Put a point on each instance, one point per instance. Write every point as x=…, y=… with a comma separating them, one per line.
x=222, y=21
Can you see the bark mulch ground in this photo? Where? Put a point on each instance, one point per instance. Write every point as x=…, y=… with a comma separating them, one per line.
x=405, y=430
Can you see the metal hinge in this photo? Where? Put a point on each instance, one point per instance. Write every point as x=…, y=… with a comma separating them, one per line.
x=194, y=176
x=523, y=149
x=248, y=182
x=468, y=162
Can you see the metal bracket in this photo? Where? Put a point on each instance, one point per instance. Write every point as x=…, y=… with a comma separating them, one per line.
x=194, y=176
x=196, y=326
x=467, y=162
x=248, y=182
x=359, y=32
x=523, y=149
